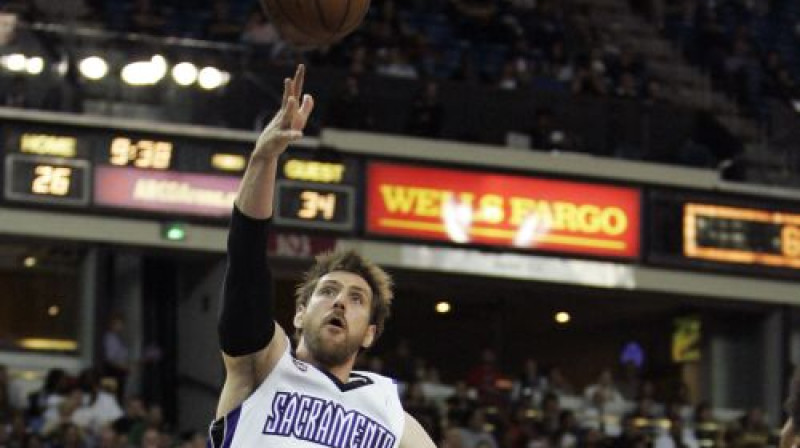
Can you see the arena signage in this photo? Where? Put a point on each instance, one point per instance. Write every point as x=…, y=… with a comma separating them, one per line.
x=165, y=191
x=502, y=210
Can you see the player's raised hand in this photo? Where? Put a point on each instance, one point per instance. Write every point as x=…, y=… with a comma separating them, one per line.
x=288, y=123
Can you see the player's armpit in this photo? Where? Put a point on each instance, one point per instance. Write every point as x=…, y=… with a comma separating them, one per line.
x=414, y=435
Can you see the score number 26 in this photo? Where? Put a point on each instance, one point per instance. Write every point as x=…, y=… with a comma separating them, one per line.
x=51, y=180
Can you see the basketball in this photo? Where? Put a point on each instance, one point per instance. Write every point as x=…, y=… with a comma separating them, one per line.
x=315, y=23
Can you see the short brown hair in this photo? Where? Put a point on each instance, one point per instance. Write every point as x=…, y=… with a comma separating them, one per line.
x=351, y=261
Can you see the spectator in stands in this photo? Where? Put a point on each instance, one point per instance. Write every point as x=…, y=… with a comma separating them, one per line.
x=708, y=430
x=147, y=18
x=427, y=112
x=349, y=109
x=116, y=356
x=675, y=437
x=259, y=30
x=789, y=432
x=424, y=410
x=151, y=438
x=557, y=383
x=604, y=394
x=530, y=385
x=484, y=377
x=750, y=431
x=568, y=431
x=99, y=408
x=546, y=134
x=461, y=404
x=6, y=408
x=632, y=435
x=592, y=438
x=400, y=363
x=55, y=384
x=630, y=383
x=57, y=417
x=549, y=418
x=433, y=387
x=134, y=422
x=395, y=63
x=475, y=432
x=223, y=27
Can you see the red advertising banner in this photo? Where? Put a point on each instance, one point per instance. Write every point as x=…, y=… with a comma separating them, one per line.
x=165, y=191
x=502, y=210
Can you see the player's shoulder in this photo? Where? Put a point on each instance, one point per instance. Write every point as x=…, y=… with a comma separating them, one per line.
x=374, y=378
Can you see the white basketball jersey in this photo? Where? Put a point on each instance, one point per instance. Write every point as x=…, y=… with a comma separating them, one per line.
x=301, y=406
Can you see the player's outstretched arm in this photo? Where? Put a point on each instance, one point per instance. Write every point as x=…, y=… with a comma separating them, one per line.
x=414, y=435
x=251, y=342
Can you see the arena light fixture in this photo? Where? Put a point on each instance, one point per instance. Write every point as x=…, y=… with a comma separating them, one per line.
x=211, y=78
x=34, y=65
x=14, y=62
x=145, y=73
x=53, y=310
x=185, y=73
x=563, y=317
x=443, y=307
x=29, y=261
x=93, y=67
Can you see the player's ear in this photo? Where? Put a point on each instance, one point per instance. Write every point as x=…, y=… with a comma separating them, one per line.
x=369, y=338
x=299, y=314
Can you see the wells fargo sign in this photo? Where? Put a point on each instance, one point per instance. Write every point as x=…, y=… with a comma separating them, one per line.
x=502, y=210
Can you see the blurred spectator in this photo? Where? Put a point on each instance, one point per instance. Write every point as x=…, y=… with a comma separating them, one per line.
x=461, y=404
x=750, y=431
x=676, y=437
x=485, y=376
x=427, y=112
x=395, y=63
x=630, y=382
x=400, y=363
x=550, y=418
x=222, y=26
x=604, y=394
x=100, y=408
x=61, y=416
x=116, y=356
x=568, y=432
x=433, y=387
x=424, y=410
x=476, y=433
x=259, y=30
x=349, y=109
x=6, y=408
x=632, y=435
x=557, y=383
x=134, y=421
x=530, y=384
x=55, y=385
x=147, y=18
x=151, y=438
x=708, y=431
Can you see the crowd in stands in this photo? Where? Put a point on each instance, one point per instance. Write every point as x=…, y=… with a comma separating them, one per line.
x=485, y=408
x=510, y=44
x=740, y=44
x=83, y=411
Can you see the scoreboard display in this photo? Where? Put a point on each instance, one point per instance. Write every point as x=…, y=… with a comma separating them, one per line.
x=176, y=176
x=735, y=235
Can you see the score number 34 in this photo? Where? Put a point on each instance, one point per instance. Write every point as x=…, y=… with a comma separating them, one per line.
x=51, y=180
x=316, y=204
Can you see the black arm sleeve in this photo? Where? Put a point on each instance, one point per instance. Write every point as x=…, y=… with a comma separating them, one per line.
x=245, y=322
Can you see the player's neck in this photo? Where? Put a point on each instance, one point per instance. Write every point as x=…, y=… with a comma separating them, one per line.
x=341, y=371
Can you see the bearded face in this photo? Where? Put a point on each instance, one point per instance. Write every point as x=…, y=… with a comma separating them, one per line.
x=336, y=321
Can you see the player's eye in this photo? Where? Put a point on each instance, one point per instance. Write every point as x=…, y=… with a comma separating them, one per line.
x=357, y=298
x=326, y=290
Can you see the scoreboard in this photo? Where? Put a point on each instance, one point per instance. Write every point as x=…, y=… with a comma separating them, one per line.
x=175, y=176
x=179, y=175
